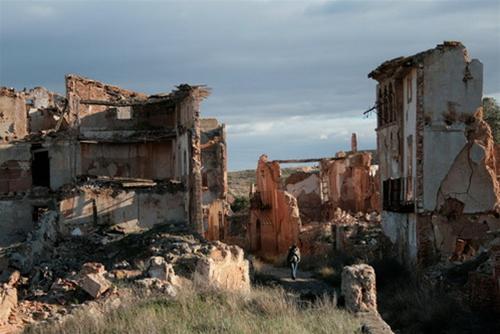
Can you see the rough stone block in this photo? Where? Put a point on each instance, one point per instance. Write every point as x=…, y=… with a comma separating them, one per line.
x=224, y=269
x=94, y=284
x=160, y=269
x=359, y=289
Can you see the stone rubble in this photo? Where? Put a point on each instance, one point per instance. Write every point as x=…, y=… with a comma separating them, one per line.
x=162, y=260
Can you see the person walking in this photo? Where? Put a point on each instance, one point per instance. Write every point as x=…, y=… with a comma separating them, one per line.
x=293, y=260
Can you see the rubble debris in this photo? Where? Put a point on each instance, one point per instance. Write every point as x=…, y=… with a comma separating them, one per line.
x=95, y=284
x=346, y=182
x=160, y=269
x=358, y=288
x=224, y=268
x=8, y=297
x=39, y=244
x=163, y=259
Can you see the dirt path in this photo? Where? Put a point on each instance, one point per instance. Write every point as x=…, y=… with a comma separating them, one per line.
x=306, y=286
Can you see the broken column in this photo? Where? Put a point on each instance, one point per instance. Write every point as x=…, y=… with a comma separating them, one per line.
x=359, y=289
x=354, y=143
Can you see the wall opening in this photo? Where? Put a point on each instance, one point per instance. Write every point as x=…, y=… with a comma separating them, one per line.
x=258, y=239
x=40, y=166
x=221, y=226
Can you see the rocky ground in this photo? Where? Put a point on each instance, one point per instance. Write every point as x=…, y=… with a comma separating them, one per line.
x=50, y=276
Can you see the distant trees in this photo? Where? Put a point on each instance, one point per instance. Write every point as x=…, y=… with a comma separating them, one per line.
x=491, y=114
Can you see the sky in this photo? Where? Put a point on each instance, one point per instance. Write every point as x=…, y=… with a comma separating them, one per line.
x=288, y=78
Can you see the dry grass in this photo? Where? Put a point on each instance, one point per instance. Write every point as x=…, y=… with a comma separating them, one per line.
x=265, y=310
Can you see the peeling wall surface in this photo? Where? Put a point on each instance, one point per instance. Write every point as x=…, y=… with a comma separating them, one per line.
x=132, y=160
x=128, y=209
x=439, y=177
x=401, y=230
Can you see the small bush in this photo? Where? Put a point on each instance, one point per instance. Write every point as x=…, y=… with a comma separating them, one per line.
x=240, y=203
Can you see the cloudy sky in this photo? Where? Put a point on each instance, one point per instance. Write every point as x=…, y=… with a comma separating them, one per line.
x=289, y=78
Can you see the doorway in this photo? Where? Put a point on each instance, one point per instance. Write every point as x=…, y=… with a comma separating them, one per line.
x=40, y=166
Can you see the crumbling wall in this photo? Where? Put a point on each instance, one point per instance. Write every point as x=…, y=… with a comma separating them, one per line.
x=45, y=109
x=214, y=178
x=274, y=216
x=13, y=116
x=129, y=210
x=15, y=221
x=472, y=178
x=15, y=167
x=128, y=160
x=305, y=187
x=351, y=185
x=94, y=117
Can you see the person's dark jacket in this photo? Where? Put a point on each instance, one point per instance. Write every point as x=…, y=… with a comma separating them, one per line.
x=293, y=255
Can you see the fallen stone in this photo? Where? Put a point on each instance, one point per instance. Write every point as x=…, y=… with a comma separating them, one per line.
x=94, y=284
x=160, y=269
x=8, y=297
x=359, y=289
x=92, y=268
x=223, y=269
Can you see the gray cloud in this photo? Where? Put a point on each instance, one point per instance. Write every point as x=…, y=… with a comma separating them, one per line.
x=282, y=72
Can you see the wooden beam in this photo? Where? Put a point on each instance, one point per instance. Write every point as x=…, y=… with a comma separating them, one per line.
x=128, y=103
x=300, y=161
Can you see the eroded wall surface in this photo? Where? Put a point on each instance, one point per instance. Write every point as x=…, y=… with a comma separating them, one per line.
x=351, y=184
x=437, y=157
x=274, y=214
x=13, y=117
x=214, y=178
x=129, y=209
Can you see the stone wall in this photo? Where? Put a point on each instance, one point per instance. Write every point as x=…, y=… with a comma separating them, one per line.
x=129, y=210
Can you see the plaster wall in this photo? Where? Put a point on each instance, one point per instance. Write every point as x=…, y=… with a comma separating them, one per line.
x=141, y=209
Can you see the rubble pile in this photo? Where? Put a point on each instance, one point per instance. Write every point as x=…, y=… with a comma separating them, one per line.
x=474, y=281
x=360, y=236
x=85, y=270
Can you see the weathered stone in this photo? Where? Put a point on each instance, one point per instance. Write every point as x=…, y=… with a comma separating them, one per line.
x=160, y=269
x=39, y=243
x=358, y=288
x=94, y=284
x=223, y=269
x=92, y=268
x=274, y=216
x=8, y=297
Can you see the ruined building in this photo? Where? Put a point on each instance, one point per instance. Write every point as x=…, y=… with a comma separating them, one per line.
x=300, y=208
x=106, y=156
x=438, y=170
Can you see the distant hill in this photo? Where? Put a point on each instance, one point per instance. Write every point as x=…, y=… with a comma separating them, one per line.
x=239, y=181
